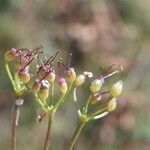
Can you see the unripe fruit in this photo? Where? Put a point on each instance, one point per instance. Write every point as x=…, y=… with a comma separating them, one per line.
x=36, y=86
x=70, y=75
x=24, y=75
x=95, y=98
x=96, y=85
x=44, y=90
x=116, y=89
x=41, y=73
x=43, y=94
x=51, y=77
x=11, y=54
x=62, y=85
x=112, y=104
x=79, y=80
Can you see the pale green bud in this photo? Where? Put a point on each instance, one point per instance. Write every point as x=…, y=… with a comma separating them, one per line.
x=70, y=75
x=79, y=80
x=51, y=77
x=112, y=104
x=96, y=85
x=62, y=85
x=11, y=54
x=116, y=88
x=44, y=90
x=36, y=86
x=24, y=75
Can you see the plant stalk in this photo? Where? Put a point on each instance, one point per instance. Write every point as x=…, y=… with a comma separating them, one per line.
x=14, y=121
x=76, y=134
x=49, y=130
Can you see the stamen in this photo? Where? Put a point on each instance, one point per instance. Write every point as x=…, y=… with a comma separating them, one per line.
x=59, y=63
x=108, y=69
x=50, y=61
x=121, y=70
x=28, y=63
x=64, y=65
x=104, y=92
x=98, y=70
x=109, y=75
x=70, y=58
x=35, y=50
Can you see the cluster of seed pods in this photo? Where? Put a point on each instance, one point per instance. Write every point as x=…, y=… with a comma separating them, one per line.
x=39, y=82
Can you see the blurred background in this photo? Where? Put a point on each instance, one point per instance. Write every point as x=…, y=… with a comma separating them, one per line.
x=98, y=33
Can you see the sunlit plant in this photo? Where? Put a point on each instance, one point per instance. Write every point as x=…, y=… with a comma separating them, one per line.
x=53, y=73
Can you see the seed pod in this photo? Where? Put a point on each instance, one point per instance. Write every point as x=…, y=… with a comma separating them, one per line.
x=51, y=77
x=11, y=54
x=36, y=86
x=112, y=104
x=70, y=74
x=79, y=80
x=41, y=73
x=95, y=98
x=44, y=90
x=62, y=85
x=116, y=89
x=24, y=75
x=43, y=94
x=96, y=85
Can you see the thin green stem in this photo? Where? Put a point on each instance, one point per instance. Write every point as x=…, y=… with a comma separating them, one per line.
x=101, y=115
x=11, y=77
x=41, y=103
x=61, y=100
x=75, y=101
x=99, y=110
x=52, y=93
x=76, y=134
x=49, y=130
x=37, y=99
x=85, y=107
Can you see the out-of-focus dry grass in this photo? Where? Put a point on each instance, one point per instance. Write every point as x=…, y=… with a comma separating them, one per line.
x=98, y=33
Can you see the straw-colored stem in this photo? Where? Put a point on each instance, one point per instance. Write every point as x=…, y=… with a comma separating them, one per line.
x=49, y=130
x=76, y=135
x=14, y=122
